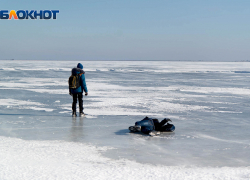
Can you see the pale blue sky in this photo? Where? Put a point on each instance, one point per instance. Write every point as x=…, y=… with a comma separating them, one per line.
x=129, y=30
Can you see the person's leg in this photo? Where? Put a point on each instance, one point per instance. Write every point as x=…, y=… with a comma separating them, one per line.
x=163, y=122
x=156, y=124
x=74, y=103
x=80, y=103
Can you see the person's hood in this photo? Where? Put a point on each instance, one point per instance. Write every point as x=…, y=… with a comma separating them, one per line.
x=76, y=71
x=79, y=65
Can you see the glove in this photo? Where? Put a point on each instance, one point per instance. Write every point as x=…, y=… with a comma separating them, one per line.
x=86, y=93
x=70, y=94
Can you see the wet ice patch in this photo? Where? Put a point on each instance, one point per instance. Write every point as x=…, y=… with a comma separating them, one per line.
x=204, y=136
x=116, y=111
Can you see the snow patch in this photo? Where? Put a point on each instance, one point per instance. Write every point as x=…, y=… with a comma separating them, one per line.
x=67, y=160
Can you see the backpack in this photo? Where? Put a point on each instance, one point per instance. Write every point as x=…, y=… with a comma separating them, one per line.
x=74, y=81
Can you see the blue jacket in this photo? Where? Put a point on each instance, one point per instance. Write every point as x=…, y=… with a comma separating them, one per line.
x=83, y=86
x=147, y=125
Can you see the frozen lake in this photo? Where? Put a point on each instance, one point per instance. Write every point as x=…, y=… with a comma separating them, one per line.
x=208, y=103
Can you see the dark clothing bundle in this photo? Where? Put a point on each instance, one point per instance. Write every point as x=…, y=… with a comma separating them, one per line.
x=160, y=126
x=148, y=125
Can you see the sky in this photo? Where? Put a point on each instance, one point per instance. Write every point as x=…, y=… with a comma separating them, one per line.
x=216, y=30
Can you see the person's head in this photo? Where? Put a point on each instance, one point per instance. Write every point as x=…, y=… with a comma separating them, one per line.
x=79, y=65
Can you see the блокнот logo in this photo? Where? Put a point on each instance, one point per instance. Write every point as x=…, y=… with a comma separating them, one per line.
x=25, y=14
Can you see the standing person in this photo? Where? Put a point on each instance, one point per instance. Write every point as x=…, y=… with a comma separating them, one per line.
x=78, y=88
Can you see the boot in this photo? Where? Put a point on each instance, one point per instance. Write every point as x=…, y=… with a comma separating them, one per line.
x=74, y=114
x=81, y=114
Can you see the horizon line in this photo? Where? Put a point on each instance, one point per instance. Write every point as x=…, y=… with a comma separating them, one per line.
x=125, y=60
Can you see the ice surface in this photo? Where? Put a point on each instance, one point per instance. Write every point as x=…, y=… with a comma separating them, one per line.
x=208, y=103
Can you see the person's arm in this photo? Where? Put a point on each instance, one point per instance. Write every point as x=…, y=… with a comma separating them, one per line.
x=84, y=86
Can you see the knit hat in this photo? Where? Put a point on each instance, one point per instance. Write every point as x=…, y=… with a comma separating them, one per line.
x=79, y=65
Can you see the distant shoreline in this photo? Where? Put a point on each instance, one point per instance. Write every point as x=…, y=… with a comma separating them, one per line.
x=132, y=60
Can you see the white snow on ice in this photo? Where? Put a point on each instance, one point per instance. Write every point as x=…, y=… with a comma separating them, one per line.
x=67, y=160
x=14, y=103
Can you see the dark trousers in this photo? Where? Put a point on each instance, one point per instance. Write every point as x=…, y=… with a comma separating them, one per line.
x=159, y=126
x=79, y=97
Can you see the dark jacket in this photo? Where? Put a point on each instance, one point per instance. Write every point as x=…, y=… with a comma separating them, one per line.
x=83, y=86
x=149, y=124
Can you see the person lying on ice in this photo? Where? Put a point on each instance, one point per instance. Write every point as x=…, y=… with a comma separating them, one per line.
x=152, y=126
